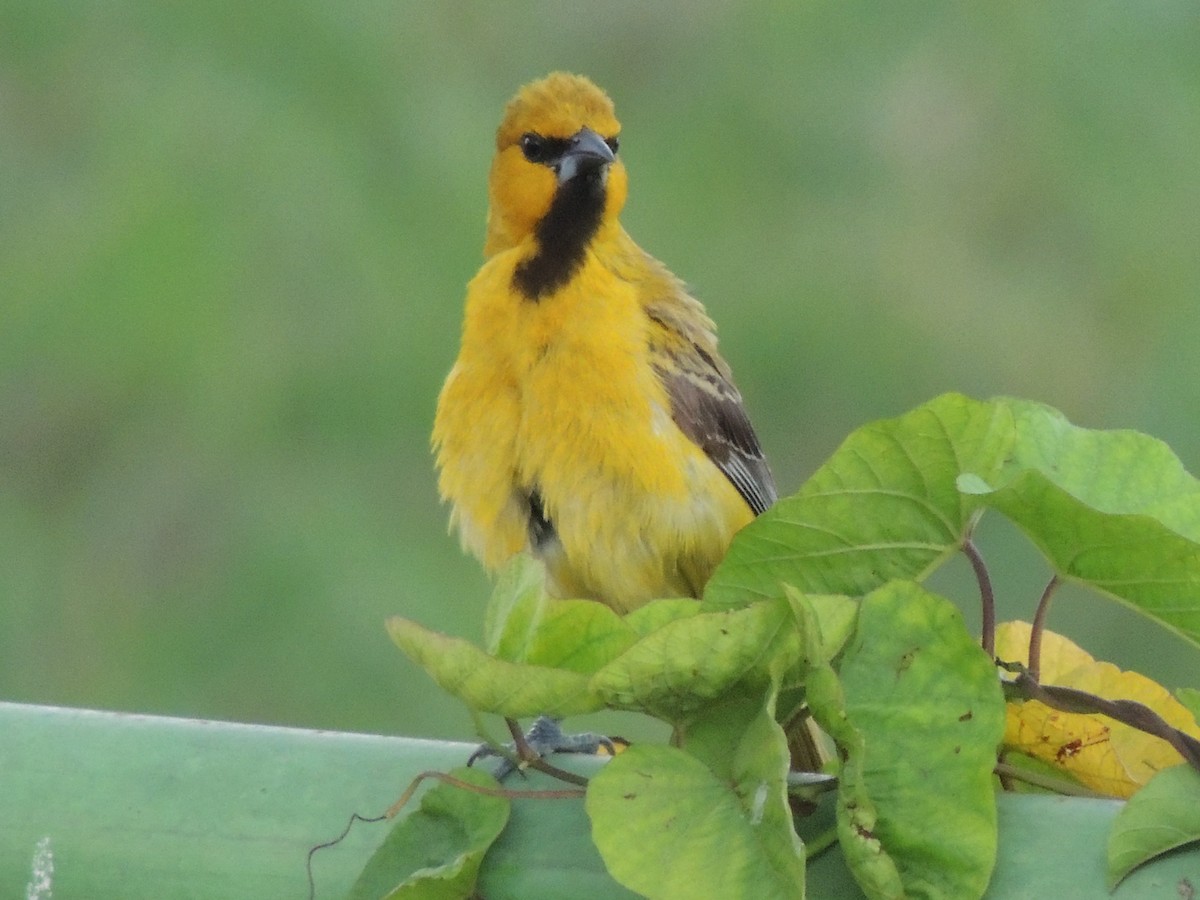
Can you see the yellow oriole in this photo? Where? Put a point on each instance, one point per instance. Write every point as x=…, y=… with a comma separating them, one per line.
x=589, y=417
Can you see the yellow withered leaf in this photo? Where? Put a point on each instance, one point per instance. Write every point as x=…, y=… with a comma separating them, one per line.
x=1097, y=751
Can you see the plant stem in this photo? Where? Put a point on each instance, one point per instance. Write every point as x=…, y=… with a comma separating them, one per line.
x=822, y=842
x=1001, y=771
x=1130, y=712
x=987, y=597
x=1039, y=625
x=1058, y=785
x=535, y=760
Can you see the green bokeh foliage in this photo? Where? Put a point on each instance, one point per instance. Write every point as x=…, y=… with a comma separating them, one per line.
x=234, y=239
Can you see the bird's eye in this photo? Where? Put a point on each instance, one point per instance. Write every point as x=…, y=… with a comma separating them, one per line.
x=534, y=146
x=614, y=143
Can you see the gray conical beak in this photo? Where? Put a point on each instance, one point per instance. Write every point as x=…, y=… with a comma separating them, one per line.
x=587, y=152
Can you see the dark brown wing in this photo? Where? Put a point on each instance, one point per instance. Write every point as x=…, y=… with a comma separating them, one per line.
x=708, y=409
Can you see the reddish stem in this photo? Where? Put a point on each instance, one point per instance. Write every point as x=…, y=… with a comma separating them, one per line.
x=987, y=597
x=1039, y=625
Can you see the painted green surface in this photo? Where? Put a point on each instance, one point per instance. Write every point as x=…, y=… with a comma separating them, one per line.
x=137, y=807
x=140, y=807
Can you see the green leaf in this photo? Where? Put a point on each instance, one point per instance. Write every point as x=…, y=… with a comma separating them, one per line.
x=1163, y=815
x=918, y=713
x=885, y=506
x=690, y=661
x=546, y=851
x=523, y=624
x=825, y=622
x=517, y=602
x=1190, y=697
x=669, y=827
x=657, y=613
x=1114, y=510
x=487, y=684
x=693, y=659
x=713, y=734
x=857, y=817
x=578, y=635
x=1116, y=472
x=435, y=852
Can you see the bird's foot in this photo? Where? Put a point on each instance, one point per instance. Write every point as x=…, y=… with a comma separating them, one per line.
x=544, y=737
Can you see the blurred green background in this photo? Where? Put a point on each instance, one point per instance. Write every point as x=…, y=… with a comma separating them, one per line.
x=234, y=240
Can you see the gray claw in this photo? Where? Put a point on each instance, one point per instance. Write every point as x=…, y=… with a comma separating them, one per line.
x=544, y=737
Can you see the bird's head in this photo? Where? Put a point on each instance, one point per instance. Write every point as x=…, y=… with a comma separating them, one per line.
x=557, y=142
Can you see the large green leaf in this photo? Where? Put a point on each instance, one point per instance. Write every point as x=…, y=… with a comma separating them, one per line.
x=1114, y=510
x=435, y=852
x=546, y=851
x=488, y=684
x=692, y=660
x=713, y=734
x=884, y=506
x=1118, y=471
x=857, y=816
x=517, y=603
x=523, y=624
x=1163, y=815
x=657, y=613
x=669, y=826
x=578, y=635
x=918, y=713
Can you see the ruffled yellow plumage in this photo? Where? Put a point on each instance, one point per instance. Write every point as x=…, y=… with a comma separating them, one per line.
x=590, y=421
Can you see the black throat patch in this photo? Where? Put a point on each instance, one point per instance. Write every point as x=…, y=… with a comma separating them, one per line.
x=541, y=531
x=563, y=236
